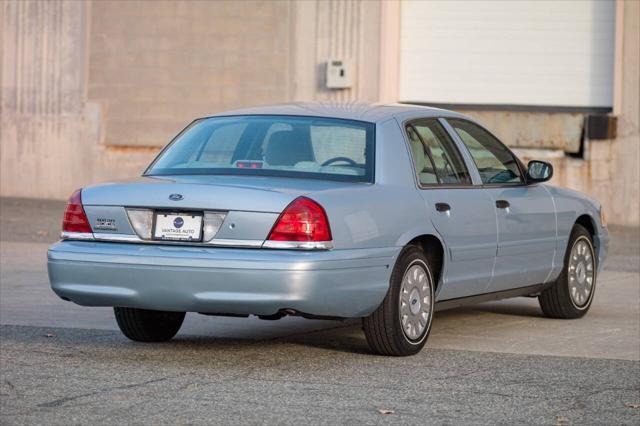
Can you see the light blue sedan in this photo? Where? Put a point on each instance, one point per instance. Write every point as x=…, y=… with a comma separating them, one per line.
x=382, y=212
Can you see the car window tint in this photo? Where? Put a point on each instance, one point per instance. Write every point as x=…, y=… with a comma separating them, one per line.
x=496, y=164
x=289, y=146
x=332, y=142
x=221, y=145
x=443, y=161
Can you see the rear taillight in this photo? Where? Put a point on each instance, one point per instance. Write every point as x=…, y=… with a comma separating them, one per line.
x=303, y=222
x=75, y=220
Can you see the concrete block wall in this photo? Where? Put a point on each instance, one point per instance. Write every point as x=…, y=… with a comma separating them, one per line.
x=155, y=66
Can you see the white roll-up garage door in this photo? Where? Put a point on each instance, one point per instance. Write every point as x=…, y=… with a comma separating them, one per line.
x=542, y=53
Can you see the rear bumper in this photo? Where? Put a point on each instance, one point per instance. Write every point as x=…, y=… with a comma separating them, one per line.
x=340, y=283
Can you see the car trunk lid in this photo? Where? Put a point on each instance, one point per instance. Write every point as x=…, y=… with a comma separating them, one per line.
x=247, y=207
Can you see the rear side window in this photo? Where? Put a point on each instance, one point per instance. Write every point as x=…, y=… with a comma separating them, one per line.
x=323, y=148
x=436, y=158
x=496, y=164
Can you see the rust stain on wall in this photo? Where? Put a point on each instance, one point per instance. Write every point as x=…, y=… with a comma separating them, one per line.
x=551, y=130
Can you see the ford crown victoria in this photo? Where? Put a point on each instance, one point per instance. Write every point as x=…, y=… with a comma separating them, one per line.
x=379, y=212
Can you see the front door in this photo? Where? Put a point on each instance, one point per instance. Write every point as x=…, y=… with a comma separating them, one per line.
x=526, y=236
x=463, y=215
x=525, y=213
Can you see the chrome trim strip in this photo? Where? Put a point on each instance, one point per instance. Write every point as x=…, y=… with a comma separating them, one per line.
x=128, y=238
x=215, y=242
x=118, y=237
x=304, y=245
x=76, y=235
x=234, y=243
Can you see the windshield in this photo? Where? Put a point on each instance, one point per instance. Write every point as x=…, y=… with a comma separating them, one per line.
x=321, y=148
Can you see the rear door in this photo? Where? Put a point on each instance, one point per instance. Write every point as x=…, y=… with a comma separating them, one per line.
x=463, y=214
x=525, y=213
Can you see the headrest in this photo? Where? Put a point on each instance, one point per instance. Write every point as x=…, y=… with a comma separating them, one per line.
x=288, y=147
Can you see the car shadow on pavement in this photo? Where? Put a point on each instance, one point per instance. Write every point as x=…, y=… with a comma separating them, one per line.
x=339, y=336
x=348, y=338
x=344, y=337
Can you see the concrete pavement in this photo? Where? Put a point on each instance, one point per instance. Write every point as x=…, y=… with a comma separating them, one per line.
x=499, y=362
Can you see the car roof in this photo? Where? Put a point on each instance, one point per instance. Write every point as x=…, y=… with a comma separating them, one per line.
x=371, y=112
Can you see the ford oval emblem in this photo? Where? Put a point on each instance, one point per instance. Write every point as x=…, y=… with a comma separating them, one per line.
x=176, y=197
x=178, y=222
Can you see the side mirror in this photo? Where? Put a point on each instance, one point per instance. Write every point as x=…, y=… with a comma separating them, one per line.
x=539, y=171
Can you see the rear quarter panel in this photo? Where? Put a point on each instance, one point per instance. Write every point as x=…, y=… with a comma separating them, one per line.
x=374, y=216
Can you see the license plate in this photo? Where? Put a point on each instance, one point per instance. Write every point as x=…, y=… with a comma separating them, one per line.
x=178, y=226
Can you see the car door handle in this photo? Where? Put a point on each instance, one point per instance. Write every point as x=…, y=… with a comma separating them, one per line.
x=502, y=204
x=443, y=207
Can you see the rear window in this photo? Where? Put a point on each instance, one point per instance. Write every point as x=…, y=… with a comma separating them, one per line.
x=308, y=147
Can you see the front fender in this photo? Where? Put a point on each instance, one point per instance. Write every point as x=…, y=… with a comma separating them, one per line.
x=570, y=206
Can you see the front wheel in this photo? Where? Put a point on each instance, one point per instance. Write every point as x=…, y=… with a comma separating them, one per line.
x=143, y=325
x=572, y=293
x=401, y=324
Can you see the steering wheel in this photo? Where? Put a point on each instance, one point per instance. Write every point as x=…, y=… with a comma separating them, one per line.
x=336, y=159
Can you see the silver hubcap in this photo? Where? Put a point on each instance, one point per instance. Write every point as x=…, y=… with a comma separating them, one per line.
x=415, y=302
x=581, y=272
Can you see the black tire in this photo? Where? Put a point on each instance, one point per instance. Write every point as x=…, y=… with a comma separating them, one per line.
x=556, y=301
x=383, y=328
x=143, y=325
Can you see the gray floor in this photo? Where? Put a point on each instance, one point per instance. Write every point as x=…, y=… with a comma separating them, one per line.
x=498, y=362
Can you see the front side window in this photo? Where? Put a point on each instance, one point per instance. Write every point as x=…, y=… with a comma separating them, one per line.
x=496, y=164
x=436, y=158
x=287, y=146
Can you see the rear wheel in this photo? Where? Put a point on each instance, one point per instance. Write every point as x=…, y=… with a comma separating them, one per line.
x=572, y=293
x=401, y=324
x=144, y=325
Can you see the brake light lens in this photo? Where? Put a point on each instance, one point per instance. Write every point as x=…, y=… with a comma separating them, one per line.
x=302, y=220
x=75, y=219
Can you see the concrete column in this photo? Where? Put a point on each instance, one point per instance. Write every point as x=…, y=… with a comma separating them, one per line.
x=624, y=197
x=344, y=29
x=46, y=133
x=303, y=45
x=389, y=50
